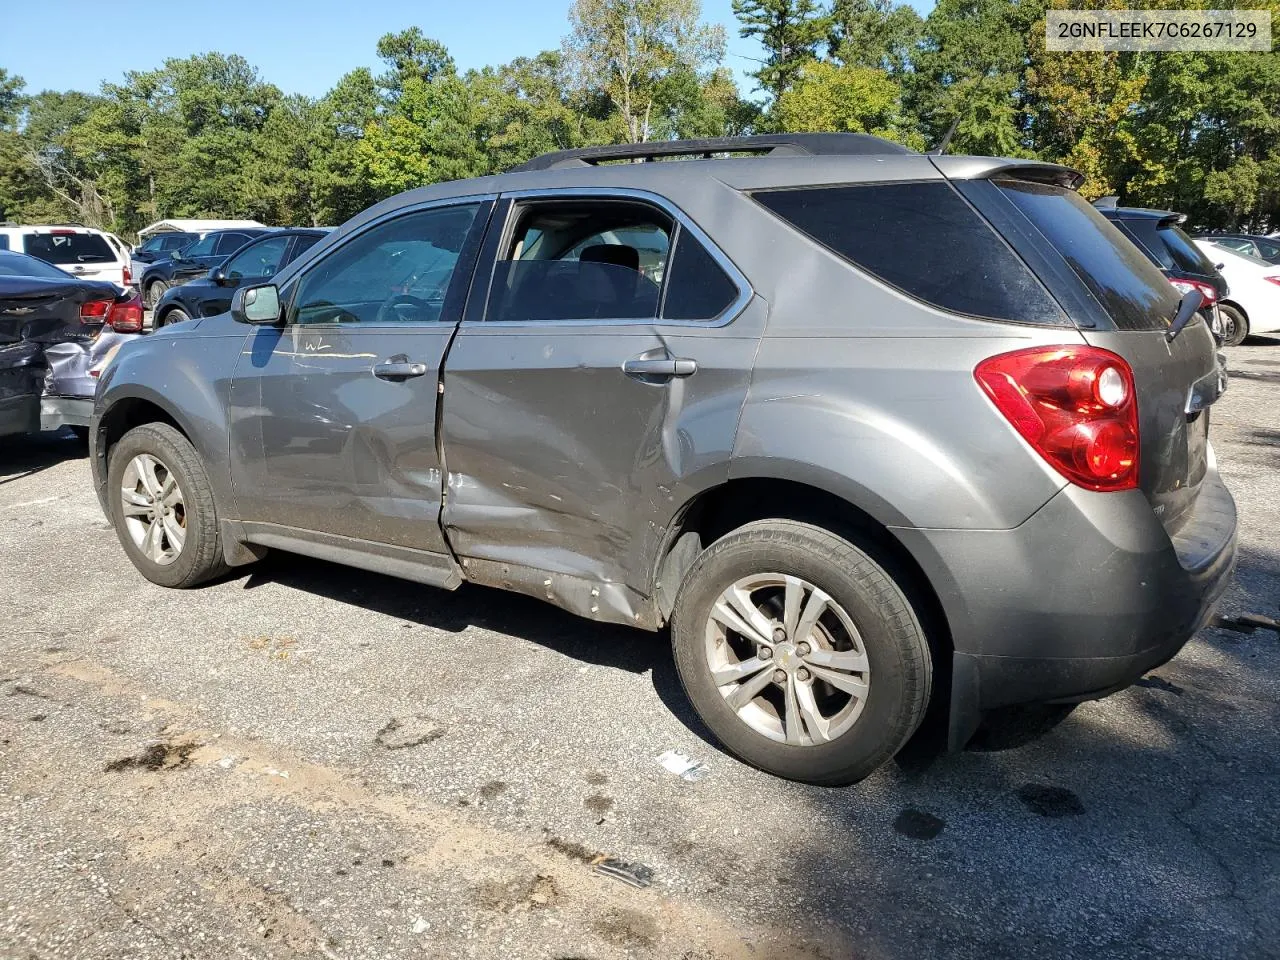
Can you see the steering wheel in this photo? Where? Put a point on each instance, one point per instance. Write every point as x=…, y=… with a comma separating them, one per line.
x=386, y=312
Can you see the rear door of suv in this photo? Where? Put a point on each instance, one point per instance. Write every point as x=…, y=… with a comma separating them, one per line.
x=84, y=253
x=596, y=380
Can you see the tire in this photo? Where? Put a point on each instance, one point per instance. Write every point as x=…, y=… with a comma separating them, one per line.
x=168, y=562
x=176, y=315
x=1235, y=324
x=155, y=290
x=899, y=670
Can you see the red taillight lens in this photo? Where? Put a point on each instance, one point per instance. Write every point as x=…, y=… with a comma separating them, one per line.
x=95, y=311
x=1075, y=405
x=1207, y=292
x=126, y=317
x=127, y=276
x=1274, y=278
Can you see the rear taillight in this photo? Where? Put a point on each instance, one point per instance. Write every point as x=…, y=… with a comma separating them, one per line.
x=1273, y=278
x=127, y=275
x=1075, y=405
x=1207, y=293
x=126, y=316
x=95, y=311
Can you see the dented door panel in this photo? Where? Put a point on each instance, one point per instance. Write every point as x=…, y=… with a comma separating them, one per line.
x=560, y=462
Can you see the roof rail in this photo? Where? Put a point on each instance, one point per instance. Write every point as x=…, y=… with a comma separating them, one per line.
x=774, y=145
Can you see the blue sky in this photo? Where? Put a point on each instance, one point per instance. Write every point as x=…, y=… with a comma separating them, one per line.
x=302, y=46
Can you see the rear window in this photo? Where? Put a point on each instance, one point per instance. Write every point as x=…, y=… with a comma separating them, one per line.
x=923, y=239
x=69, y=248
x=1185, y=254
x=1130, y=288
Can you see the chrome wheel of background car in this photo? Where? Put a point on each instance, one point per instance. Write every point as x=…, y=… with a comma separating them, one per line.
x=174, y=316
x=155, y=515
x=787, y=659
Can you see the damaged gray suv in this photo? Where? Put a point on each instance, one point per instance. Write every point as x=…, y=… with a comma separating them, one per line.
x=871, y=431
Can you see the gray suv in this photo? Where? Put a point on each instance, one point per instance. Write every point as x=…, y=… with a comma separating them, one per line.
x=869, y=430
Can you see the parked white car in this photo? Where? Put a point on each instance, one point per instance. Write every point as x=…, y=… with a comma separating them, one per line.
x=1253, y=305
x=83, y=252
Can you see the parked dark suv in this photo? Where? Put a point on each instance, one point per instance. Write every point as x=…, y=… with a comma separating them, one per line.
x=255, y=262
x=864, y=427
x=191, y=261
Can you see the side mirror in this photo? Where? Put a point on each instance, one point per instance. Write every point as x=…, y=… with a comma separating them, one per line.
x=218, y=276
x=256, y=305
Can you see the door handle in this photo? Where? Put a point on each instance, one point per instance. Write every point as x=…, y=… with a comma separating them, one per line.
x=397, y=369
x=659, y=368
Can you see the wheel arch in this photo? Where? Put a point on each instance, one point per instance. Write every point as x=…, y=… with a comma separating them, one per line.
x=122, y=414
x=718, y=510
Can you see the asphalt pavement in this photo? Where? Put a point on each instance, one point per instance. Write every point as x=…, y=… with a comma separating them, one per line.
x=308, y=761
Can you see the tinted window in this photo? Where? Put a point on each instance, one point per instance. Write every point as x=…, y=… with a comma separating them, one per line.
x=1124, y=281
x=398, y=271
x=302, y=245
x=202, y=247
x=174, y=241
x=1185, y=254
x=259, y=260
x=69, y=248
x=4, y=241
x=697, y=286
x=1143, y=233
x=1267, y=250
x=229, y=243
x=16, y=265
x=923, y=239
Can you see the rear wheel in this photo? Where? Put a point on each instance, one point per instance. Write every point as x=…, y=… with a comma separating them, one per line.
x=162, y=507
x=155, y=290
x=1235, y=326
x=800, y=652
x=176, y=315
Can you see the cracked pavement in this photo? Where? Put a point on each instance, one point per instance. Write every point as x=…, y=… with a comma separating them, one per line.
x=309, y=761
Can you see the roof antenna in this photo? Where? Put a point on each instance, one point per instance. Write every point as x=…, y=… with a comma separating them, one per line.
x=941, y=148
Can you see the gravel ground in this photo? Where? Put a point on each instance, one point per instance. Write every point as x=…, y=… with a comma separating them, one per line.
x=309, y=761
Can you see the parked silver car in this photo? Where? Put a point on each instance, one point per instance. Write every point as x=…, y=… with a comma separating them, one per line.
x=56, y=334
x=867, y=429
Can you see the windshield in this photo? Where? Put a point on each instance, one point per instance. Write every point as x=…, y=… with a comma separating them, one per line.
x=18, y=265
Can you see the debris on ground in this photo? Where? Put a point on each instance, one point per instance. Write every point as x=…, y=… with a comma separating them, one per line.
x=420, y=926
x=674, y=761
x=1247, y=623
x=633, y=874
x=157, y=756
x=403, y=732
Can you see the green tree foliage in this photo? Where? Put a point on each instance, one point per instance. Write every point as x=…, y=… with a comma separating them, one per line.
x=790, y=32
x=207, y=136
x=627, y=50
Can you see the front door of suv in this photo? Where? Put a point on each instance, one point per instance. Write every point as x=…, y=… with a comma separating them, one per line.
x=333, y=414
x=597, y=384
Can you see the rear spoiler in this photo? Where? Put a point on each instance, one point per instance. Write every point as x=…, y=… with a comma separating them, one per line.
x=987, y=168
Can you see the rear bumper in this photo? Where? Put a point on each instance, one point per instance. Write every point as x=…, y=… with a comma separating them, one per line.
x=19, y=415
x=58, y=412
x=1079, y=601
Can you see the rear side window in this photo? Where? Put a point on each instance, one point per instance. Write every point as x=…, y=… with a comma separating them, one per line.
x=1135, y=294
x=697, y=286
x=4, y=241
x=1145, y=235
x=229, y=243
x=923, y=239
x=69, y=248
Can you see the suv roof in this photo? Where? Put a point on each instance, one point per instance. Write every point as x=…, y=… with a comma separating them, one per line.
x=1108, y=208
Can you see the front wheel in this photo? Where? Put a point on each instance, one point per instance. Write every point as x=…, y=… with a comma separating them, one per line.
x=1235, y=326
x=162, y=507
x=800, y=652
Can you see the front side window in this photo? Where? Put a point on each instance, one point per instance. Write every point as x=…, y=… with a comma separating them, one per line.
x=202, y=247
x=229, y=243
x=604, y=259
x=396, y=272
x=259, y=261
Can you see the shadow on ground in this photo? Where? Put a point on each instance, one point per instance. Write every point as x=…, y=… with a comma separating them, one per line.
x=28, y=455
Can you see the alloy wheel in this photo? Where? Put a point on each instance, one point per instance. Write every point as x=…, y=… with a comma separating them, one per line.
x=787, y=658
x=154, y=510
